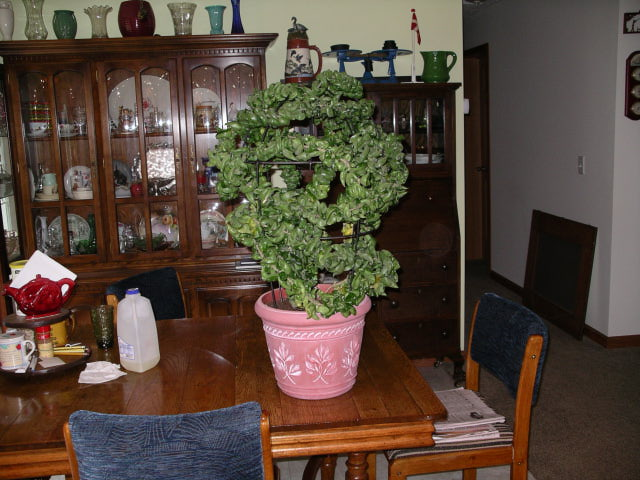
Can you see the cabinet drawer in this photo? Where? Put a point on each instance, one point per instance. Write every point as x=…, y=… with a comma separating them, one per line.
x=426, y=218
x=427, y=338
x=417, y=303
x=428, y=266
x=227, y=301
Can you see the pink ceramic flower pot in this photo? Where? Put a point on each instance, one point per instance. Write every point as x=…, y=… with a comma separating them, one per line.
x=312, y=359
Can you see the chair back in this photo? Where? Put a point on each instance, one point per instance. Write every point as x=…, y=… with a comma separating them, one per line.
x=499, y=339
x=161, y=286
x=225, y=444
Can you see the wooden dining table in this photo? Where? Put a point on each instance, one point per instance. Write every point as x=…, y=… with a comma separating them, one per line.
x=211, y=363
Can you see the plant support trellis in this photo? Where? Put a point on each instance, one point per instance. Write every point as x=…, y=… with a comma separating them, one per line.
x=358, y=173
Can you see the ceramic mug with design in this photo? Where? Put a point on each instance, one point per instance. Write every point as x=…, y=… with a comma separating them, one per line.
x=60, y=332
x=13, y=350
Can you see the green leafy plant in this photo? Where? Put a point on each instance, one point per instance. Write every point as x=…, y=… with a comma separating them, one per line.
x=358, y=173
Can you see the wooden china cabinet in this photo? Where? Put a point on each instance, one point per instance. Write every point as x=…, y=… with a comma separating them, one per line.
x=422, y=231
x=109, y=138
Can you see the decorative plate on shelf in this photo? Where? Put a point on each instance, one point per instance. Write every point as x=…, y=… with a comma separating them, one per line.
x=78, y=229
x=80, y=176
x=205, y=96
x=123, y=168
x=160, y=227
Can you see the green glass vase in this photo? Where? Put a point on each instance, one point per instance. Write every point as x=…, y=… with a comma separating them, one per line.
x=64, y=24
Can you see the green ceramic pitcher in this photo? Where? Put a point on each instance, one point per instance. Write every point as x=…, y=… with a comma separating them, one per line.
x=436, y=66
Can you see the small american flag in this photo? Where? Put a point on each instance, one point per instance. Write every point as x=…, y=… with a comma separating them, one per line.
x=414, y=24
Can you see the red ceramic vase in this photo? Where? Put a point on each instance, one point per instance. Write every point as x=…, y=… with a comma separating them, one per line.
x=135, y=19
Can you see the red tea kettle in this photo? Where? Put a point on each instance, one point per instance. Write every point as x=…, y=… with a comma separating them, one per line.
x=298, y=67
x=40, y=296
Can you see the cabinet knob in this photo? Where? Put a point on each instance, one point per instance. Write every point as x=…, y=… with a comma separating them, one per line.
x=394, y=304
x=429, y=197
x=445, y=267
x=444, y=299
x=444, y=333
x=420, y=325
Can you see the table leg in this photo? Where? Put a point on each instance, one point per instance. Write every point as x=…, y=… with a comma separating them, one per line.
x=357, y=467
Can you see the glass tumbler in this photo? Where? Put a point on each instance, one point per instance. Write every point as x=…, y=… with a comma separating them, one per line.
x=102, y=321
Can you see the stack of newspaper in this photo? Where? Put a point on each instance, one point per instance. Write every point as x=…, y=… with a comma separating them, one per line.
x=469, y=418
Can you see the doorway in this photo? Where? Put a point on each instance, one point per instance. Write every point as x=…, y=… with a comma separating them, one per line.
x=476, y=158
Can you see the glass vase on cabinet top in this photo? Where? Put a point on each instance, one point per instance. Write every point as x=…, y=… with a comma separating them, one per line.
x=35, y=28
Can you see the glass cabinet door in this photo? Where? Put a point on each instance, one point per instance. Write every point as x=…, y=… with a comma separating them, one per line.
x=420, y=122
x=60, y=159
x=145, y=178
x=8, y=211
x=218, y=91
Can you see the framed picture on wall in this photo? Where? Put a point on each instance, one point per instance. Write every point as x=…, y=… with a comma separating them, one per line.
x=631, y=22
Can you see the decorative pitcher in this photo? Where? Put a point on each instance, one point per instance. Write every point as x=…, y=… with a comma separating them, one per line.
x=298, y=67
x=436, y=66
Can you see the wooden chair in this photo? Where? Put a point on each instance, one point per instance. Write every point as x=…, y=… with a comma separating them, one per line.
x=161, y=286
x=509, y=341
x=228, y=444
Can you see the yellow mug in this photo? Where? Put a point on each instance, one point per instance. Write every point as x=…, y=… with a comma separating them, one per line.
x=60, y=332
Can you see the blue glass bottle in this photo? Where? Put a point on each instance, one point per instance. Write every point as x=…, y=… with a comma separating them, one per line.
x=236, y=24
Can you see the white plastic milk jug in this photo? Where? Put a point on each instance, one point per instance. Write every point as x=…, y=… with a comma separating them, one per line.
x=137, y=332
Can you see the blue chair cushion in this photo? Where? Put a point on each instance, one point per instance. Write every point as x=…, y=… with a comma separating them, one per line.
x=499, y=338
x=221, y=444
x=160, y=286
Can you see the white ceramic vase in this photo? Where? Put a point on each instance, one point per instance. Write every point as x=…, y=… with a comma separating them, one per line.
x=6, y=19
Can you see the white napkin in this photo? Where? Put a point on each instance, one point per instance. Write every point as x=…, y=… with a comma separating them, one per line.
x=45, y=266
x=100, y=372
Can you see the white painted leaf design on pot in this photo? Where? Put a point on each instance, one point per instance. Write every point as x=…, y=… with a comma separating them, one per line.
x=320, y=364
x=350, y=359
x=285, y=363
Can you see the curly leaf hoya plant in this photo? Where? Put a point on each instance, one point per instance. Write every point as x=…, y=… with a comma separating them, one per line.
x=287, y=227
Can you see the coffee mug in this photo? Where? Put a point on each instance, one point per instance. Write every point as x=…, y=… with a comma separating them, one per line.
x=13, y=351
x=436, y=66
x=60, y=332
